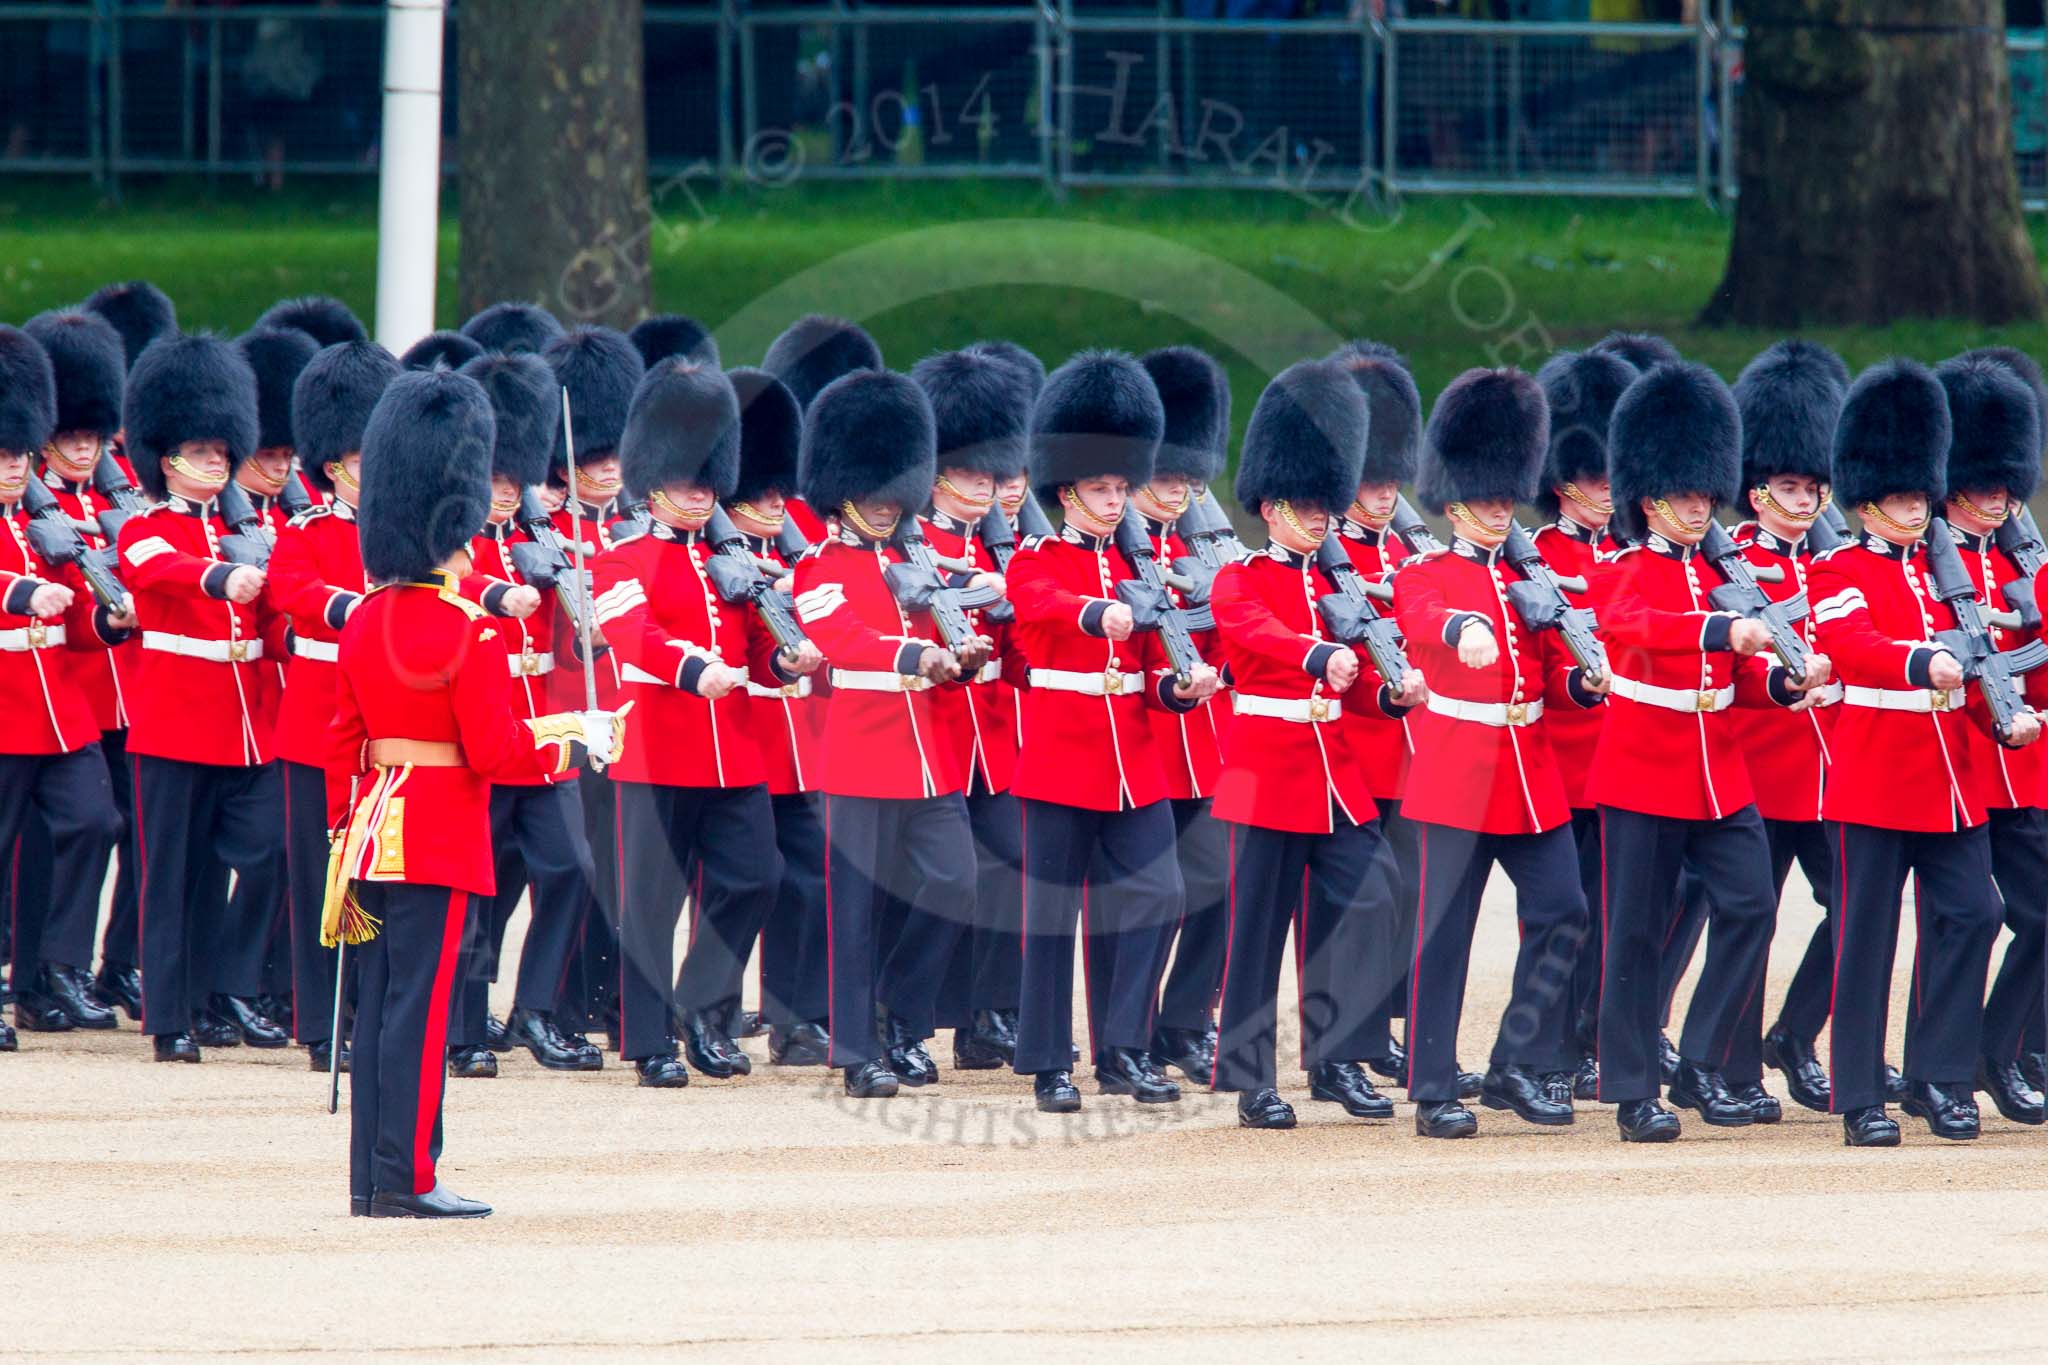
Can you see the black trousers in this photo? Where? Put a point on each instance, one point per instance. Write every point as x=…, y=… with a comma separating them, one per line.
x=795, y=969
x=1957, y=910
x=591, y=998
x=121, y=942
x=915, y=852
x=305, y=854
x=1642, y=855
x=255, y=911
x=405, y=983
x=1188, y=999
x=1586, y=974
x=1535, y=1029
x=987, y=966
x=2019, y=861
x=1337, y=892
x=726, y=836
x=538, y=841
x=61, y=808
x=1403, y=836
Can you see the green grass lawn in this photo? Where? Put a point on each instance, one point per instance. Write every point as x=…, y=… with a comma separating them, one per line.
x=1259, y=279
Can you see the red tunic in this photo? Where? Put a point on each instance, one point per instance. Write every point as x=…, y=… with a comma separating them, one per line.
x=107, y=675
x=316, y=575
x=1787, y=753
x=1189, y=742
x=1470, y=774
x=1574, y=733
x=785, y=719
x=1385, y=745
x=48, y=711
x=564, y=686
x=983, y=730
x=2013, y=777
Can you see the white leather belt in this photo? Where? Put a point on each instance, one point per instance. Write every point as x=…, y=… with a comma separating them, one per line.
x=1495, y=713
x=531, y=664
x=1106, y=684
x=800, y=688
x=875, y=680
x=1922, y=699
x=1674, y=698
x=1830, y=695
x=1303, y=710
x=190, y=647
x=992, y=671
x=35, y=635
x=326, y=651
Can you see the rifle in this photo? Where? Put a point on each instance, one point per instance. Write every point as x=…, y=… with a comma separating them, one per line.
x=246, y=541
x=741, y=578
x=2020, y=538
x=293, y=500
x=999, y=538
x=1539, y=599
x=543, y=560
x=1352, y=612
x=1031, y=519
x=1821, y=536
x=1151, y=604
x=1837, y=523
x=1741, y=595
x=633, y=511
x=790, y=542
x=56, y=539
x=918, y=586
x=111, y=483
x=1212, y=542
x=1413, y=530
x=1996, y=672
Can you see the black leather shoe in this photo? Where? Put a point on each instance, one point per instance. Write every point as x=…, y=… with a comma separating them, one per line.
x=1393, y=1066
x=1586, y=1080
x=906, y=1053
x=1869, y=1126
x=496, y=1038
x=1948, y=1115
x=248, y=1022
x=1557, y=1086
x=998, y=1028
x=870, y=1081
x=973, y=1053
x=1444, y=1119
x=1668, y=1059
x=119, y=984
x=1469, y=1083
x=1055, y=1092
x=735, y=1056
x=807, y=1044
x=472, y=1062
x=1806, y=1080
x=749, y=1024
x=1184, y=1049
x=71, y=990
x=1129, y=1071
x=213, y=1031
x=175, y=1047
x=1646, y=1121
x=1701, y=1088
x=1264, y=1109
x=358, y=1206
x=2009, y=1091
x=439, y=1202
x=8, y=1041
x=1519, y=1089
x=320, y=1057
x=701, y=1044
x=537, y=1032
x=2034, y=1067
x=276, y=1008
x=1894, y=1084
x=1342, y=1083
x=1763, y=1105
x=663, y=1071
x=38, y=1013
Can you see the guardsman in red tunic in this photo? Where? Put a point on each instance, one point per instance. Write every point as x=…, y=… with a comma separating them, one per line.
x=1669, y=775
x=316, y=581
x=812, y=352
x=894, y=817
x=1486, y=788
x=1306, y=846
x=85, y=355
x=1097, y=824
x=1581, y=388
x=424, y=720
x=50, y=759
x=1394, y=435
x=1905, y=794
x=981, y=409
x=207, y=794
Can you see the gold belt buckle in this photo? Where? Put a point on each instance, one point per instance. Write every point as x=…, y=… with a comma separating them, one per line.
x=1113, y=683
x=1518, y=713
x=791, y=689
x=238, y=651
x=1705, y=701
x=38, y=634
x=911, y=682
x=529, y=663
x=1318, y=708
x=1937, y=699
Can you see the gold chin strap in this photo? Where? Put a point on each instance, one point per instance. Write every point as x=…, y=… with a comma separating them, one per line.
x=1995, y=518
x=753, y=513
x=185, y=467
x=860, y=523
x=1365, y=518
x=1674, y=521
x=1870, y=511
x=1598, y=509
x=691, y=520
x=1486, y=535
x=979, y=505
x=1074, y=504
x=64, y=464
x=1172, y=511
x=275, y=486
x=1762, y=493
x=337, y=473
x=1286, y=512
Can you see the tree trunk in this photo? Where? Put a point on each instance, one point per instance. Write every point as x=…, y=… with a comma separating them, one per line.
x=1876, y=168
x=554, y=157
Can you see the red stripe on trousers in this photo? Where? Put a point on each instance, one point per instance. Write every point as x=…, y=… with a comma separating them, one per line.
x=141, y=879
x=434, y=1044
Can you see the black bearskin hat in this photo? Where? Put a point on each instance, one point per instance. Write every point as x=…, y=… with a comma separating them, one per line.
x=2014, y=359
x=1393, y=405
x=600, y=369
x=669, y=334
x=187, y=388
x=1581, y=388
x=85, y=355
x=684, y=427
x=138, y=310
x=426, y=473
x=327, y=320
x=1676, y=430
x=513, y=327
x=1306, y=439
x=332, y=402
x=1789, y=398
x=1195, y=394
x=1486, y=438
x=1893, y=436
x=981, y=406
x=1099, y=413
x=869, y=435
x=771, y=433
x=1640, y=349
x=1033, y=367
x=276, y=354
x=28, y=394
x=1994, y=427
x=448, y=350
x=815, y=350
x=526, y=404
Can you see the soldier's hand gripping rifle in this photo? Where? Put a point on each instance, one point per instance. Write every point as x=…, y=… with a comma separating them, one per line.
x=1996, y=672
x=919, y=585
x=1413, y=530
x=1352, y=613
x=1539, y=599
x=247, y=541
x=1152, y=605
x=1741, y=595
x=743, y=579
x=56, y=539
x=2020, y=538
x=544, y=561
x=1212, y=542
